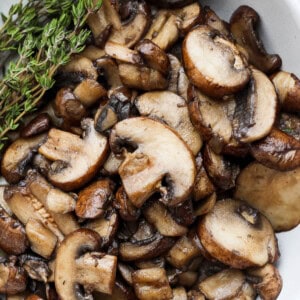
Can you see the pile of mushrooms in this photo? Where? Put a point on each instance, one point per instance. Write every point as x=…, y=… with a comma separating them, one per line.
x=162, y=164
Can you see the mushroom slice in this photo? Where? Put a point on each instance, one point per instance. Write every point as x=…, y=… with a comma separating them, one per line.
x=112, y=164
x=182, y=253
x=13, y=239
x=142, y=78
x=195, y=295
x=164, y=30
x=42, y=240
x=287, y=86
x=158, y=215
x=74, y=266
x=269, y=283
x=275, y=194
x=39, y=124
x=213, y=63
x=154, y=56
x=183, y=214
x=222, y=171
x=92, y=52
x=206, y=205
x=89, y=91
x=213, y=119
x=151, y=284
x=175, y=67
x=122, y=53
x=278, y=151
x=243, y=25
x=75, y=160
x=172, y=3
x=226, y=284
x=179, y=293
x=290, y=124
x=157, y=151
x=220, y=231
x=94, y=199
x=17, y=156
x=256, y=109
x=3, y=204
x=172, y=110
x=106, y=226
x=13, y=278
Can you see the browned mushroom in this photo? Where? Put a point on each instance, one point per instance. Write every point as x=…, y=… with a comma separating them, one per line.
x=94, y=199
x=206, y=205
x=256, y=109
x=243, y=25
x=13, y=278
x=290, y=124
x=40, y=124
x=13, y=239
x=195, y=295
x=75, y=160
x=171, y=3
x=112, y=164
x=17, y=156
x=269, y=282
x=273, y=193
x=92, y=52
x=173, y=111
x=158, y=149
x=94, y=271
x=278, y=150
x=220, y=233
x=213, y=63
x=287, y=86
x=179, y=293
x=151, y=284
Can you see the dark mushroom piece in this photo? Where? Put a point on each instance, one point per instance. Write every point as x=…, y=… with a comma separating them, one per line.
x=74, y=160
x=172, y=3
x=173, y=111
x=290, y=124
x=220, y=231
x=213, y=63
x=157, y=151
x=40, y=124
x=274, y=193
x=17, y=157
x=77, y=264
x=277, y=150
x=151, y=284
x=195, y=295
x=13, y=238
x=243, y=25
x=287, y=86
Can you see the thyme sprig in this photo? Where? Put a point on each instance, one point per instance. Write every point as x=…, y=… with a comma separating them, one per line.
x=41, y=51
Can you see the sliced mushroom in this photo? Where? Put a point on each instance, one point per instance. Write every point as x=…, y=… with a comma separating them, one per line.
x=226, y=284
x=154, y=56
x=126, y=272
x=256, y=109
x=222, y=171
x=106, y=226
x=92, y=52
x=151, y=284
x=195, y=295
x=94, y=271
x=172, y=3
x=206, y=205
x=287, y=86
x=123, y=54
x=187, y=279
x=158, y=215
x=13, y=279
x=278, y=151
x=181, y=254
x=243, y=25
x=17, y=156
x=269, y=283
x=42, y=240
x=164, y=31
x=175, y=67
x=89, y=91
x=3, y=204
x=40, y=124
x=142, y=78
x=94, y=199
x=13, y=239
x=275, y=194
x=75, y=160
x=213, y=63
x=112, y=164
x=183, y=213
x=157, y=262
x=179, y=293
x=172, y=110
x=220, y=233
x=158, y=149
x=290, y=124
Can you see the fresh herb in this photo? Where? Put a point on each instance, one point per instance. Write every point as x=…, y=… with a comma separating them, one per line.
x=45, y=34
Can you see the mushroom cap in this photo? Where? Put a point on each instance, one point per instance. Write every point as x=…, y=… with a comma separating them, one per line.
x=238, y=235
x=158, y=151
x=75, y=160
x=172, y=110
x=274, y=193
x=213, y=63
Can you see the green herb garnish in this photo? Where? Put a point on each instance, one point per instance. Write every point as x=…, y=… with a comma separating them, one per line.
x=44, y=34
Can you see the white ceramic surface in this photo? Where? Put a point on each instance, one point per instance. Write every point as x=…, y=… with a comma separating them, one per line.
x=280, y=30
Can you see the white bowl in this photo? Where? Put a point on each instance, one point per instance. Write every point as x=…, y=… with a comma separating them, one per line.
x=280, y=31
